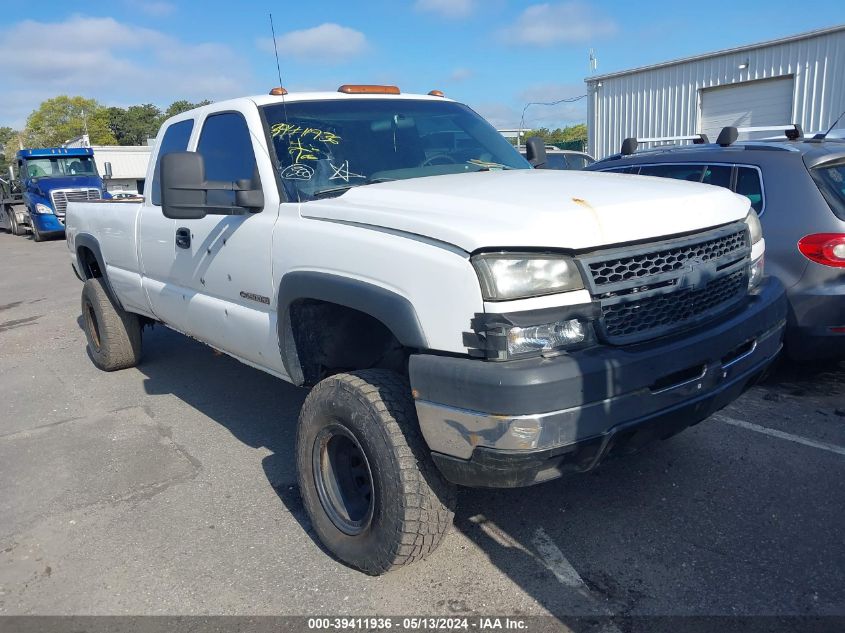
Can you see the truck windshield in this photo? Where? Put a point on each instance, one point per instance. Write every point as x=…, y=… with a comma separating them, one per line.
x=324, y=148
x=830, y=178
x=60, y=166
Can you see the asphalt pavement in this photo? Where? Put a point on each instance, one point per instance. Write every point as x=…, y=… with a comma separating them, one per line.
x=170, y=489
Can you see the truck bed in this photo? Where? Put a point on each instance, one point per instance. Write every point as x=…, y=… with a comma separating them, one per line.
x=115, y=225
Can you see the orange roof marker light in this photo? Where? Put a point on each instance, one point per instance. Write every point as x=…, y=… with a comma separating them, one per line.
x=278, y=91
x=436, y=93
x=364, y=89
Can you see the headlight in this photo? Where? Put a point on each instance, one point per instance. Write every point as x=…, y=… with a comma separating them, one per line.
x=42, y=208
x=545, y=338
x=756, y=274
x=505, y=276
x=755, y=230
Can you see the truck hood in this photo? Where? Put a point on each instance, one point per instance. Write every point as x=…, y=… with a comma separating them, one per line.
x=534, y=208
x=46, y=184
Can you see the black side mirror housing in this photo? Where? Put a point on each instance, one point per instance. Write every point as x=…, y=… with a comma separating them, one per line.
x=183, y=196
x=535, y=151
x=184, y=190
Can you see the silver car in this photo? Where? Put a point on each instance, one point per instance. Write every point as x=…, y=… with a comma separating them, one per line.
x=798, y=188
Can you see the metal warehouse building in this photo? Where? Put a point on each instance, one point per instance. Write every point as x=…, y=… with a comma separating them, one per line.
x=798, y=79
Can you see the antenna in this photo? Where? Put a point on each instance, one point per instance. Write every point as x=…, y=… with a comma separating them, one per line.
x=594, y=61
x=832, y=126
x=276, y=49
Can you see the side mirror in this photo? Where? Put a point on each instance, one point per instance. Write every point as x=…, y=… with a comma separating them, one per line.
x=107, y=167
x=535, y=151
x=185, y=191
x=182, y=186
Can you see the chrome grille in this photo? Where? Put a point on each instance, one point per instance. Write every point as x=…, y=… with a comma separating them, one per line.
x=653, y=290
x=61, y=197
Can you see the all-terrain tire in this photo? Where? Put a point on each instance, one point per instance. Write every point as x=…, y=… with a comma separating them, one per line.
x=410, y=506
x=114, y=335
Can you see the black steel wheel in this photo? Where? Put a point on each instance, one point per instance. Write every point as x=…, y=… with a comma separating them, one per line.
x=374, y=497
x=344, y=480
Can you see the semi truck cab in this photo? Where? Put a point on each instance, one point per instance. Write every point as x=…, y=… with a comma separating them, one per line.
x=50, y=178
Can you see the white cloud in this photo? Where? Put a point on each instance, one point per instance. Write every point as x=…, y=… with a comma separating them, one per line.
x=120, y=63
x=452, y=9
x=157, y=8
x=558, y=23
x=460, y=74
x=328, y=43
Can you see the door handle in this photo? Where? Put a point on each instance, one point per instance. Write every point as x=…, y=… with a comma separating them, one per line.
x=183, y=237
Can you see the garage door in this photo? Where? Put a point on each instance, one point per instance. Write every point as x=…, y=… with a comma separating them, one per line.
x=753, y=103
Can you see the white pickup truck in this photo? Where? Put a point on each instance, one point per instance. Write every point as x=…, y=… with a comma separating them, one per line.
x=460, y=317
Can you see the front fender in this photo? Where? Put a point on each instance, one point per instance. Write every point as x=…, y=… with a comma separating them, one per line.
x=388, y=307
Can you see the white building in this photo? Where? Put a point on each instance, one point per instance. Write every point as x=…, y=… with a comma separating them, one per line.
x=798, y=79
x=128, y=165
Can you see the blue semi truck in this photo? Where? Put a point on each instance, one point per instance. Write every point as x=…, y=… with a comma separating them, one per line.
x=47, y=179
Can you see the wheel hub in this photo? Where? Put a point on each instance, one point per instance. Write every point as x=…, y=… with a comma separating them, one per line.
x=344, y=480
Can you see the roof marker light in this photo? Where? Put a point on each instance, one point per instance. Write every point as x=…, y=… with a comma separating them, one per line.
x=278, y=91
x=436, y=93
x=368, y=89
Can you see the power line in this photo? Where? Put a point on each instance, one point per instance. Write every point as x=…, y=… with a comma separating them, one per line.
x=545, y=103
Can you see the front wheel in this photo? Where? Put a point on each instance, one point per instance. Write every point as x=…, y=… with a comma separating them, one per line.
x=374, y=496
x=35, y=234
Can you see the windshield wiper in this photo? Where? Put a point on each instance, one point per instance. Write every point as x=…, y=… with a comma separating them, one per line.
x=484, y=165
x=331, y=191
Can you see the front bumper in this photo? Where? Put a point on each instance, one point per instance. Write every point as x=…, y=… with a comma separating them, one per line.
x=508, y=424
x=47, y=223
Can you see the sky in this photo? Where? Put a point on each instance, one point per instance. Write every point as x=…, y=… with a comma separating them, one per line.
x=494, y=55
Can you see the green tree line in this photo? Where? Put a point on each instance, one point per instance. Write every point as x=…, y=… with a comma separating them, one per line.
x=572, y=137
x=63, y=118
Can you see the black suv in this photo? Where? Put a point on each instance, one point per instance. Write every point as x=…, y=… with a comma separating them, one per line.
x=797, y=186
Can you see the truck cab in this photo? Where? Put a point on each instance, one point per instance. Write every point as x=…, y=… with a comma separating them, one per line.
x=50, y=178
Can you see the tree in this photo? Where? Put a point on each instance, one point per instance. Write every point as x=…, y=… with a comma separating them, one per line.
x=572, y=137
x=62, y=118
x=178, y=107
x=135, y=124
x=8, y=147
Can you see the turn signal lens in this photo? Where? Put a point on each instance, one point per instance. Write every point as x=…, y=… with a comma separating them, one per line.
x=827, y=249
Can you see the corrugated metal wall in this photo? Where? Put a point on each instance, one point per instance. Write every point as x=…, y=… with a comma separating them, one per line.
x=665, y=101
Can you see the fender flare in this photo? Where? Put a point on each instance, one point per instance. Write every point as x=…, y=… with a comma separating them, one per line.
x=393, y=310
x=86, y=240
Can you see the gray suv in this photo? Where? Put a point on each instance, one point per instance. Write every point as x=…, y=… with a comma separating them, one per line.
x=797, y=186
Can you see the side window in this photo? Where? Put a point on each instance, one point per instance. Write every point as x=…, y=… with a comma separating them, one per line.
x=718, y=175
x=175, y=140
x=555, y=161
x=226, y=145
x=748, y=184
x=576, y=161
x=690, y=172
